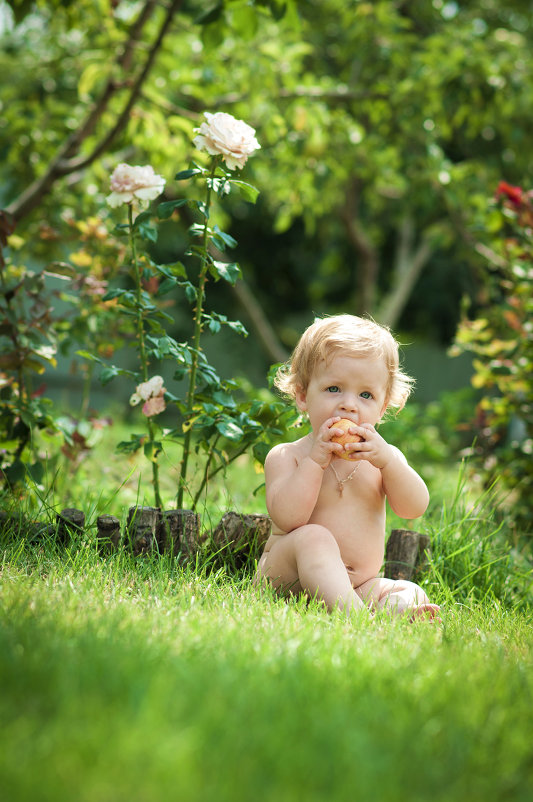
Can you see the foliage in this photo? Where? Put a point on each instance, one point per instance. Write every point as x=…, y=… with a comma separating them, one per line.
x=211, y=411
x=501, y=339
x=383, y=125
x=432, y=434
x=28, y=342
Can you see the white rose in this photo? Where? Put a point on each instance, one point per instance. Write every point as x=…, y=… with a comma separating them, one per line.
x=146, y=390
x=223, y=135
x=128, y=183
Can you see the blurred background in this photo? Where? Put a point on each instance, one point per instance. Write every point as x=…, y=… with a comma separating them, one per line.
x=393, y=135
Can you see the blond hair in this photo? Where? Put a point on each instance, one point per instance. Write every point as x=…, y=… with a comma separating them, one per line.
x=351, y=336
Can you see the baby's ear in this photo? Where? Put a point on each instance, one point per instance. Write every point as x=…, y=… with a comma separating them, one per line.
x=301, y=399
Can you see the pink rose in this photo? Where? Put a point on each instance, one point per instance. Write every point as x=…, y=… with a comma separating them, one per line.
x=128, y=183
x=154, y=406
x=223, y=135
x=152, y=393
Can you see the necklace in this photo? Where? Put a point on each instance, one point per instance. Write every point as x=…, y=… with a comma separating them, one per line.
x=342, y=482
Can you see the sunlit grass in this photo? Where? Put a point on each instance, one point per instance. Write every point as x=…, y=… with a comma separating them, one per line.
x=134, y=679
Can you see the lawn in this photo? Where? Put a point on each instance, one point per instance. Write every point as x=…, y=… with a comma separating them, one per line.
x=138, y=680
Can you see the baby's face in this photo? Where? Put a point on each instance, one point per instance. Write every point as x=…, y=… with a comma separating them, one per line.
x=347, y=386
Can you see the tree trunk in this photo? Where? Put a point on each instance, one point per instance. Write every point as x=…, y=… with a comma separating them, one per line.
x=180, y=533
x=142, y=529
x=108, y=532
x=406, y=554
x=69, y=520
x=367, y=256
x=242, y=535
x=408, y=264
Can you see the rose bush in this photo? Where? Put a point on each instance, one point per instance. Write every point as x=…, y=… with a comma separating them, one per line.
x=209, y=412
x=223, y=135
x=129, y=183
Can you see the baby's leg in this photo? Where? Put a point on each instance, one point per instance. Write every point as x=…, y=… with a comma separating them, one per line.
x=397, y=596
x=308, y=559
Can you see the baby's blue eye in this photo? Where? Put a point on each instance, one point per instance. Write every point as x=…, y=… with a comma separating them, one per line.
x=366, y=395
x=333, y=389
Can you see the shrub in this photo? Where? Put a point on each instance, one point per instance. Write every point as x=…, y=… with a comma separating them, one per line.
x=501, y=339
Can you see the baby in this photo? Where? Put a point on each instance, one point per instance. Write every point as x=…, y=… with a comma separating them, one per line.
x=328, y=511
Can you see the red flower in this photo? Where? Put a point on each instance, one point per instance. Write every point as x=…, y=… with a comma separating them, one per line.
x=514, y=194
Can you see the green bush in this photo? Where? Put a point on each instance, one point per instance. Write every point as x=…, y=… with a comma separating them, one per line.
x=501, y=339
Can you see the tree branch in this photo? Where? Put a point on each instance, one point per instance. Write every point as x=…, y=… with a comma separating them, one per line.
x=408, y=265
x=368, y=263
x=65, y=161
x=264, y=331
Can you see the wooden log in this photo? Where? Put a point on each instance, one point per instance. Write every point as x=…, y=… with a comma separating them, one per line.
x=24, y=529
x=70, y=520
x=405, y=554
x=142, y=529
x=243, y=535
x=179, y=533
x=108, y=532
x=424, y=553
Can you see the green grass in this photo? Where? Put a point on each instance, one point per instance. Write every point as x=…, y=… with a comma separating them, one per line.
x=135, y=680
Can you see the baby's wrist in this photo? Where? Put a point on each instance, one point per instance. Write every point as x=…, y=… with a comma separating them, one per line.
x=391, y=458
x=316, y=462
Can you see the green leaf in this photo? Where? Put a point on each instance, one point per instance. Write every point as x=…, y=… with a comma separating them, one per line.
x=88, y=355
x=132, y=445
x=190, y=292
x=141, y=218
x=260, y=451
x=245, y=21
x=247, y=191
x=108, y=373
x=211, y=15
x=164, y=210
x=166, y=286
x=172, y=272
x=202, y=208
x=229, y=429
x=146, y=231
x=127, y=297
x=229, y=271
x=224, y=398
x=184, y=174
x=226, y=238
x=62, y=269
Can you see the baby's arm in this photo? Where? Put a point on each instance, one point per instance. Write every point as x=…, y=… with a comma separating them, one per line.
x=291, y=488
x=293, y=478
x=406, y=491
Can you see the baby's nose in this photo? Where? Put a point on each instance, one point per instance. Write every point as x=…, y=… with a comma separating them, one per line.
x=349, y=402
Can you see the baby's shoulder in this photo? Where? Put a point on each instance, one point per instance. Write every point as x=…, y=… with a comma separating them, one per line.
x=287, y=451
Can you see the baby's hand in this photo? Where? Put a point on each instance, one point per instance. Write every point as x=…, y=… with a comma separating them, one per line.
x=323, y=449
x=372, y=447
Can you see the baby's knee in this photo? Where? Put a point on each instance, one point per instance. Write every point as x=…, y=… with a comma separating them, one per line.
x=316, y=537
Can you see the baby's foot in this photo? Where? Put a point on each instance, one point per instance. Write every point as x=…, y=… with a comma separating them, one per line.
x=426, y=612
